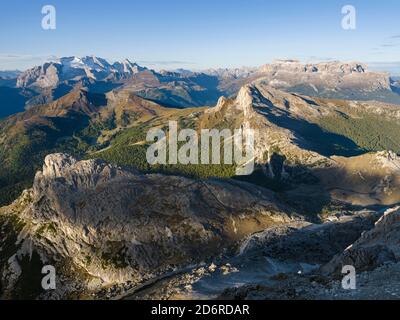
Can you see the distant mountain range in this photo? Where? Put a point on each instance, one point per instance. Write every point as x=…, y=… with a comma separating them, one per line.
x=10, y=74
x=185, y=88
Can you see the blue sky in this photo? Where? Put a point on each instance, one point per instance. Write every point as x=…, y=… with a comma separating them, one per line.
x=201, y=34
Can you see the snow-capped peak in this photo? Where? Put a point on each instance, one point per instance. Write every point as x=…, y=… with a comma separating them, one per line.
x=96, y=64
x=128, y=67
x=71, y=62
x=73, y=67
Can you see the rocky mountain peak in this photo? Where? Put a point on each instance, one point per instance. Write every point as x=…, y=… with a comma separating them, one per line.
x=87, y=173
x=244, y=99
x=56, y=164
x=44, y=76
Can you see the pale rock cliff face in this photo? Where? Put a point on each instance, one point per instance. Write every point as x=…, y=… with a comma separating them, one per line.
x=329, y=75
x=376, y=247
x=329, y=67
x=41, y=76
x=116, y=225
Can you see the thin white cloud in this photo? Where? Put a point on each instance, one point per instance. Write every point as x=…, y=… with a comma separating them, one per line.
x=390, y=45
x=11, y=61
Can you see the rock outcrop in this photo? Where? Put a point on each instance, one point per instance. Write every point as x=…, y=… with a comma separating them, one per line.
x=376, y=247
x=116, y=225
